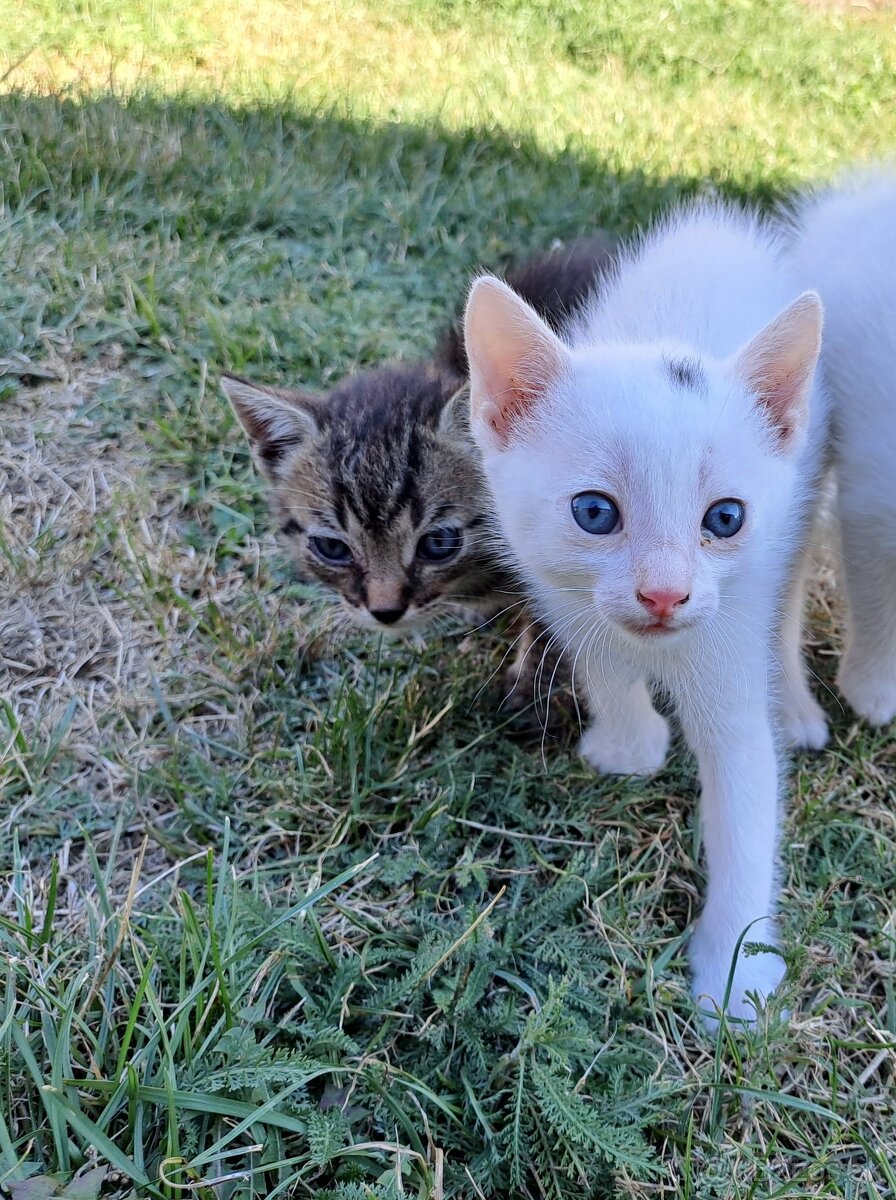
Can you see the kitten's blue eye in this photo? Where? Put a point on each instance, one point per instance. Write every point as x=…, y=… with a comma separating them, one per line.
x=724, y=518
x=595, y=513
x=332, y=550
x=439, y=544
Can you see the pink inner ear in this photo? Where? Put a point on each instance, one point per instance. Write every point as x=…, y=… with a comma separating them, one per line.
x=783, y=396
x=504, y=410
x=778, y=365
x=512, y=406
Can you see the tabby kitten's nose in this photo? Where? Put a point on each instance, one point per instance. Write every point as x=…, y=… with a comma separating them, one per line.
x=387, y=616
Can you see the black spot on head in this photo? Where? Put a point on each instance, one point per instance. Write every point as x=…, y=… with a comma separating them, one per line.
x=686, y=373
x=291, y=527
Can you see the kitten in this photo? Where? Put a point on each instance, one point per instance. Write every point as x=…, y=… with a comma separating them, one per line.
x=846, y=247
x=377, y=486
x=652, y=475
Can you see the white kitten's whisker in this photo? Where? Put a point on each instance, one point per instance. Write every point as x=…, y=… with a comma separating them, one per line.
x=585, y=617
x=509, y=650
x=778, y=639
x=599, y=635
x=600, y=630
x=586, y=646
x=557, y=633
x=732, y=661
x=517, y=604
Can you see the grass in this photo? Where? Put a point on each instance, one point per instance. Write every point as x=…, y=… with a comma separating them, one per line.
x=285, y=916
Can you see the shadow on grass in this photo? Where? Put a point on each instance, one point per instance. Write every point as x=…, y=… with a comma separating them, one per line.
x=343, y=239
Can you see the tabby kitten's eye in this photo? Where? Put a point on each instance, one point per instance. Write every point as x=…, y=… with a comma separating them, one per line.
x=724, y=518
x=439, y=544
x=331, y=550
x=595, y=513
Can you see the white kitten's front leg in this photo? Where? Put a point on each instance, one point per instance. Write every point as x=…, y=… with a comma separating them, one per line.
x=739, y=804
x=626, y=736
x=801, y=717
x=867, y=675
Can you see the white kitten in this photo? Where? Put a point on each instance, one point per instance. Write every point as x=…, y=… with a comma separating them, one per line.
x=653, y=476
x=847, y=249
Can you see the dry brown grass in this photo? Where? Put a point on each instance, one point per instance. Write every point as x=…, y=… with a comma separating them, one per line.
x=67, y=633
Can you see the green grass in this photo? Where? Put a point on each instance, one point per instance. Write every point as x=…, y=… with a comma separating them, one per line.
x=285, y=915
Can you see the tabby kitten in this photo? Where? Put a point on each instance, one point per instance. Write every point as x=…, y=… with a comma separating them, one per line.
x=377, y=486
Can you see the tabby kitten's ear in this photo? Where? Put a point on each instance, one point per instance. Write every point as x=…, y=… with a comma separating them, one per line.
x=275, y=420
x=514, y=356
x=454, y=420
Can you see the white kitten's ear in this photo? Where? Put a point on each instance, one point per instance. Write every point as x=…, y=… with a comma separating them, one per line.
x=514, y=358
x=275, y=420
x=778, y=364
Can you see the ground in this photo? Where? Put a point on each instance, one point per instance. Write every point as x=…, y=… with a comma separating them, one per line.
x=288, y=913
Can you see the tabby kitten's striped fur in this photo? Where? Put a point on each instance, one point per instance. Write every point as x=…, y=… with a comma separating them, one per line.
x=377, y=486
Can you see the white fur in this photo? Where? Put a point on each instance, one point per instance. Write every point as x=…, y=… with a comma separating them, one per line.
x=603, y=413
x=847, y=249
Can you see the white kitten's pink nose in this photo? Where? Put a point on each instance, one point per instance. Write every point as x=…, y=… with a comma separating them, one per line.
x=663, y=603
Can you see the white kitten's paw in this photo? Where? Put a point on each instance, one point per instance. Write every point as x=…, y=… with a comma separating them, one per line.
x=755, y=974
x=871, y=695
x=803, y=722
x=641, y=750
